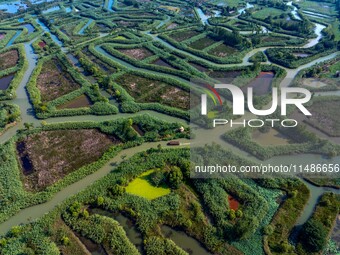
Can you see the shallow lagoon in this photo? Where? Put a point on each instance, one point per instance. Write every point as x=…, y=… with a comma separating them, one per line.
x=5, y=81
x=12, y=7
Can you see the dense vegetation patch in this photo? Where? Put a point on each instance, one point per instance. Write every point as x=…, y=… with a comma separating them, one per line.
x=275, y=17
x=146, y=90
x=320, y=77
x=8, y=115
x=293, y=58
x=8, y=59
x=315, y=232
x=48, y=156
x=54, y=82
x=258, y=57
x=284, y=220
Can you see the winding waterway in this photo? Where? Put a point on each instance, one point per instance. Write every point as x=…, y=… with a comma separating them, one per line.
x=53, y=36
x=294, y=11
x=110, y=3
x=31, y=213
x=204, y=18
x=16, y=35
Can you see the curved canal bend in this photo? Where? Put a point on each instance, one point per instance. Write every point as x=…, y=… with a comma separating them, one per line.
x=27, y=115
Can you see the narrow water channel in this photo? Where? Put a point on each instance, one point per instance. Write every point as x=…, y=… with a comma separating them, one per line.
x=315, y=195
x=46, y=29
x=182, y=240
x=82, y=30
x=110, y=3
x=22, y=97
x=16, y=35
x=294, y=11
